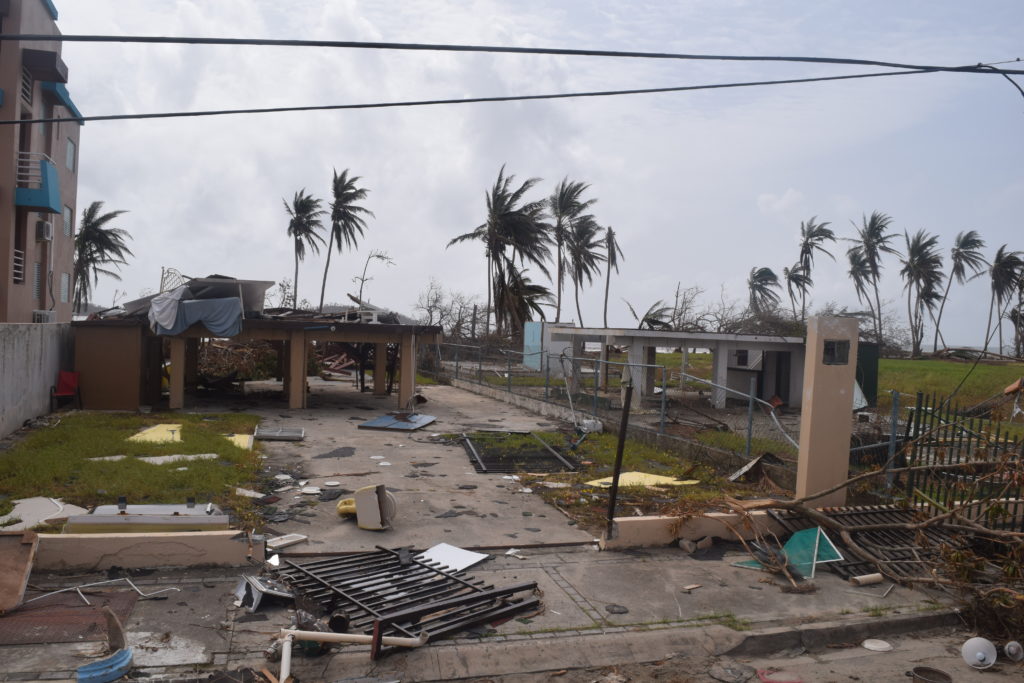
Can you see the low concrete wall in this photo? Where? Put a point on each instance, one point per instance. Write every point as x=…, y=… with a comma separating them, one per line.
x=90, y=552
x=31, y=355
x=655, y=530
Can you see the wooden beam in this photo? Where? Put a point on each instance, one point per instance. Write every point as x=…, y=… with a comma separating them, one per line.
x=297, y=370
x=407, y=379
x=177, y=397
x=380, y=369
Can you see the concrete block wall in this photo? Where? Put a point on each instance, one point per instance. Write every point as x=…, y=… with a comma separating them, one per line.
x=31, y=355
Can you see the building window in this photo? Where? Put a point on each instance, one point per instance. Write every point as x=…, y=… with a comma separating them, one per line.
x=37, y=281
x=741, y=358
x=70, y=161
x=65, y=288
x=69, y=221
x=837, y=352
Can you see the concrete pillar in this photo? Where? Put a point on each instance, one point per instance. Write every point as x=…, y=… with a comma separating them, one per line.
x=297, y=370
x=638, y=356
x=191, y=363
x=603, y=367
x=574, y=376
x=830, y=367
x=407, y=370
x=177, y=397
x=719, y=373
x=380, y=369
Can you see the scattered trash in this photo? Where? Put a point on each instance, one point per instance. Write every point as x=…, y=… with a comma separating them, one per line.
x=280, y=542
x=777, y=676
x=332, y=484
x=303, y=482
x=252, y=589
x=310, y=490
x=642, y=479
x=105, y=670
x=78, y=589
x=161, y=433
x=511, y=477
x=274, y=561
x=616, y=609
x=108, y=458
x=243, y=441
x=690, y=588
x=729, y=671
x=979, y=653
x=453, y=558
x=330, y=494
x=284, y=477
x=866, y=579
x=38, y=510
x=876, y=645
x=400, y=421
x=804, y=551
x=525, y=490
x=927, y=674
x=514, y=552
x=875, y=595
x=164, y=459
x=279, y=434
x=687, y=546
x=18, y=550
x=555, y=484
x=1014, y=651
x=384, y=463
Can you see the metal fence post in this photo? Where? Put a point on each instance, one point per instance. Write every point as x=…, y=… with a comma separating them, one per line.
x=480, y=365
x=750, y=414
x=456, y=362
x=508, y=372
x=547, y=375
x=596, y=384
x=664, y=399
x=893, y=426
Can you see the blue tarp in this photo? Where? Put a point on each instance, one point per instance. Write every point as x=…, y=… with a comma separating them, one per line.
x=222, y=317
x=399, y=421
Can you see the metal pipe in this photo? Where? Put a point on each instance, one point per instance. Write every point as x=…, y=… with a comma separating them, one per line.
x=286, y=656
x=358, y=638
x=614, y=494
x=664, y=398
x=78, y=590
x=750, y=414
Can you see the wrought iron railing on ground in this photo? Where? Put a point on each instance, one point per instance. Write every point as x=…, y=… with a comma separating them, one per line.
x=671, y=400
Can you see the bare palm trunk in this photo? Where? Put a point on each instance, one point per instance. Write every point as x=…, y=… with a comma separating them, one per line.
x=988, y=325
x=792, y=304
x=607, y=284
x=938, y=320
x=295, y=282
x=878, y=315
x=999, y=325
x=803, y=307
x=577, y=290
x=914, y=343
x=490, y=284
x=327, y=266
x=558, y=306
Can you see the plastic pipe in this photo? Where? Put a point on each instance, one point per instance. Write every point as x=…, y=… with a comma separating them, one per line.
x=286, y=656
x=360, y=638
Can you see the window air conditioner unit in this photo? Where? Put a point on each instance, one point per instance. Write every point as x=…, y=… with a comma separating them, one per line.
x=44, y=316
x=44, y=231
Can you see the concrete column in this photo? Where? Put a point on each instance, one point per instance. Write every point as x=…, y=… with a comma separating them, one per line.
x=719, y=373
x=407, y=369
x=297, y=370
x=638, y=356
x=574, y=378
x=826, y=416
x=380, y=369
x=177, y=398
x=602, y=367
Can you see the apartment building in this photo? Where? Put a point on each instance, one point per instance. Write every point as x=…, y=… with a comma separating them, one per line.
x=38, y=169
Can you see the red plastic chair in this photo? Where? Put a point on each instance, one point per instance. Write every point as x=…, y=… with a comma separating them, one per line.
x=67, y=388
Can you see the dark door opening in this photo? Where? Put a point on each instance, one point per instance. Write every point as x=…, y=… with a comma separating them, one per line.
x=783, y=360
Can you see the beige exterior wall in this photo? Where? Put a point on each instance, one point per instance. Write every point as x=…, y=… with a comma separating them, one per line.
x=17, y=227
x=110, y=360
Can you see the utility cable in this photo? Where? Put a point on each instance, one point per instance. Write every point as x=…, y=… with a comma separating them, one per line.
x=447, y=47
x=469, y=100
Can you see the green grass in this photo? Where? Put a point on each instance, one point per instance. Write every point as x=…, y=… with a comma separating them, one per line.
x=53, y=461
x=941, y=377
x=737, y=443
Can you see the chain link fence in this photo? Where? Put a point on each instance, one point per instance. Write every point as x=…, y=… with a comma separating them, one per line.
x=666, y=400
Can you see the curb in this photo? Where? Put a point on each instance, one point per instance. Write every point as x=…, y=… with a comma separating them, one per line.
x=820, y=635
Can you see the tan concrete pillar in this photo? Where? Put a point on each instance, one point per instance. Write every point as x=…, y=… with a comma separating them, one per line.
x=720, y=373
x=191, y=363
x=177, y=383
x=380, y=369
x=407, y=369
x=826, y=418
x=297, y=370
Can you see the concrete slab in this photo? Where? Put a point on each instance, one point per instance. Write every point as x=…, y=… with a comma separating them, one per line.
x=39, y=510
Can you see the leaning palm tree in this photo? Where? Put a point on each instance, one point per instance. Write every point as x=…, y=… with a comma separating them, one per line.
x=860, y=273
x=518, y=299
x=798, y=280
x=612, y=254
x=762, y=284
x=304, y=228
x=872, y=241
x=511, y=225
x=347, y=223
x=564, y=206
x=922, y=275
x=812, y=236
x=97, y=247
x=965, y=255
x=583, y=251
x=1005, y=273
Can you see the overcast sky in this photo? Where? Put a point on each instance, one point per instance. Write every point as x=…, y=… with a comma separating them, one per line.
x=700, y=186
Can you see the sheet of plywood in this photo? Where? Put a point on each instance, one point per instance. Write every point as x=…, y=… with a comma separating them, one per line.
x=162, y=433
x=17, y=553
x=643, y=479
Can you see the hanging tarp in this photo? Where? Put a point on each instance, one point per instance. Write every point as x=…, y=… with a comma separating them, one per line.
x=222, y=317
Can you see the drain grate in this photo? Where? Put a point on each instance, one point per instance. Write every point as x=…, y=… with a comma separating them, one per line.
x=502, y=453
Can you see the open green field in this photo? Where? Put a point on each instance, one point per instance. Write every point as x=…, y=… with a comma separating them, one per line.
x=941, y=377
x=54, y=461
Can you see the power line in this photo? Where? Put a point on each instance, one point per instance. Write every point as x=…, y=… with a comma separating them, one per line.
x=469, y=100
x=445, y=47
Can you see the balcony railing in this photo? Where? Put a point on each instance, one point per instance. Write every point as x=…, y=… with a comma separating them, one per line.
x=30, y=169
x=18, y=267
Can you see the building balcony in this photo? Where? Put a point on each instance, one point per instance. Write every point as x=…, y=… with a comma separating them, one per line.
x=18, y=267
x=38, y=185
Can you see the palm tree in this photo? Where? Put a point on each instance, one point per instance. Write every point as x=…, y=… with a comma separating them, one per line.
x=565, y=205
x=304, y=228
x=965, y=254
x=517, y=299
x=657, y=317
x=96, y=247
x=612, y=254
x=798, y=280
x=762, y=284
x=510, y=225
x=812, y=236
x=860, y=273
x=347, y=222
x=922, y=274
x=1005, y=272
x=872, y=241
x=582, y=247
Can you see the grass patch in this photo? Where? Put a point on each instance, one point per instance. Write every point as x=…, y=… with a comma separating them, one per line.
x=877, y=610
x=737, y=443
x=727, y=619
x=941, y=377
x=54, y=461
